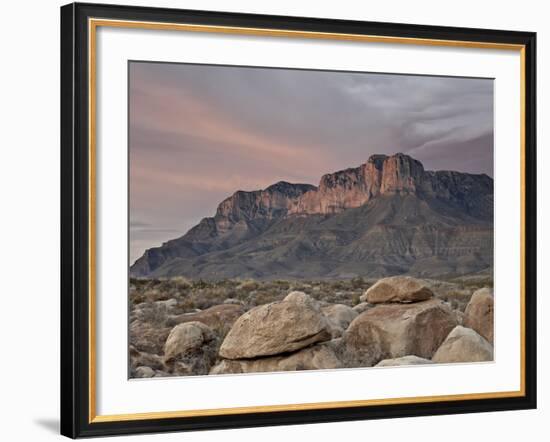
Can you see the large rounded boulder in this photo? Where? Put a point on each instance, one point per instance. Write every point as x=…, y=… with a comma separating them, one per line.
x=190, y=349
x=402, y=289
x=391, y=331
x=279, y=327
x=479, y=313
x=464, y=345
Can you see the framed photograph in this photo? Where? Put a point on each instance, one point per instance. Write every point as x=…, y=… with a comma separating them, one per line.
x=274, y=220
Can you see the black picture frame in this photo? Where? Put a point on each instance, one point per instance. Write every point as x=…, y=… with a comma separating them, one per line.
x=75, y=221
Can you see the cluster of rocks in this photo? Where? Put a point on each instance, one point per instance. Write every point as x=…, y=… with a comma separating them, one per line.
x=398, y=322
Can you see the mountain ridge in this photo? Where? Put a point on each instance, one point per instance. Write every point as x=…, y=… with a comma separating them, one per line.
x=386, y=216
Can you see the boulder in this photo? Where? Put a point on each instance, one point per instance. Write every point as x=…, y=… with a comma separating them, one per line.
x=144, y=372
x=300, y=298
x=464, y=345
x=397, y=289
x=279, y=327
x=339, y=317
x=190, y=349
x=479, y=313
x=404, y=360
x=318, y=357
x=168, y=303
x=148, y=337
x=394, y=330
x=186, y=338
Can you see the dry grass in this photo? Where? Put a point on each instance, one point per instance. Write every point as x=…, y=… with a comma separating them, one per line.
x=199, y=294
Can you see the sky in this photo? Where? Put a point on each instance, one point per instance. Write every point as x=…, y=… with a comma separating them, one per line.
x=198, y=133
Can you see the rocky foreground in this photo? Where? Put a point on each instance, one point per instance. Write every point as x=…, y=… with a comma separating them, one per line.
x=398, y=320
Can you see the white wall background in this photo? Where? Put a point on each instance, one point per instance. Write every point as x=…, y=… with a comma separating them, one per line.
x=29, y=225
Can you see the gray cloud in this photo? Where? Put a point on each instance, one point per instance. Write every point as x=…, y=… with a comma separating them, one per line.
x=198, y=133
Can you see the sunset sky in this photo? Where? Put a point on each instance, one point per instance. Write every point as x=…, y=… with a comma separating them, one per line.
x=198, y=133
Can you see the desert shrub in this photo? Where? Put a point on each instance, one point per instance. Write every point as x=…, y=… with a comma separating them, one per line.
x=316, y=295
x=457, y=299
x=281, y=284
x=244, y=296
x=137, y=297
x=478, y=283
x=200, y=284
x=248, y=285
x=473, y=282
x=300, y=286
x=153, y=313
x=154, y=282
x=204, y=303
x=218, y=293
x=221, y=330
x=186, y=305
x=180, y=282
x=157, y=294
x=338, y=285
x=264, y=297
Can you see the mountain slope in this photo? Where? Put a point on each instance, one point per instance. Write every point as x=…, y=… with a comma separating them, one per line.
x=387, y=216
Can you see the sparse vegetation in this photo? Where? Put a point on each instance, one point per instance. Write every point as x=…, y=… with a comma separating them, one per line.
x=200, y=294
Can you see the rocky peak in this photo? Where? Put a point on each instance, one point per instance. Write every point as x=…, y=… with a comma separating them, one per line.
x=377, y=160
x=289, y=189
x=401, y=174
x=265, y=204
x=345, y=179
x=384, y=175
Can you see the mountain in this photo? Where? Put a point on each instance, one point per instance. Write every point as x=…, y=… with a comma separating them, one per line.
x=388, y=216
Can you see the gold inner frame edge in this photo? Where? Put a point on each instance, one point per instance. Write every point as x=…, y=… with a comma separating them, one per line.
x=93, y=24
